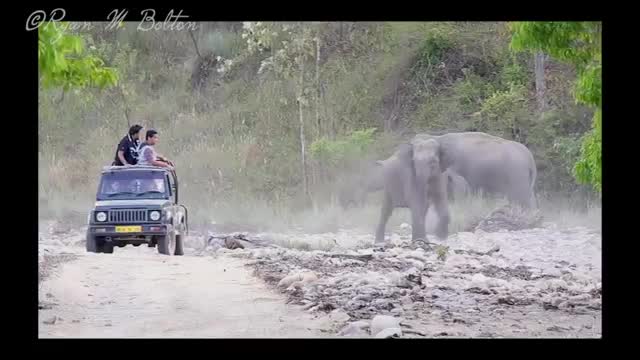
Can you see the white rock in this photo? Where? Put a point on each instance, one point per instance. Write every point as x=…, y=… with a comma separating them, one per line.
x=50, y=321
x=479, y=280
x=406, y=300
x=405, y=226
x=299, y=279
x=338, y=315
x=580, y=298
x=355, y=329
x=309, y=277
x=493, y=282
x=454, y=260
x=389, y=332
x=555, y=284
x=289, y=280
x=417, y=263
x=397, y=311
x=553, y=272
x=381, y=322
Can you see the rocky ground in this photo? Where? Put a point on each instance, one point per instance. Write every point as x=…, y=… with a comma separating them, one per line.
x=542, y=281
x=536, y=282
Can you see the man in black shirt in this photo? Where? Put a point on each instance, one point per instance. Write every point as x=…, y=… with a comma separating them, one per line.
x=127, y=151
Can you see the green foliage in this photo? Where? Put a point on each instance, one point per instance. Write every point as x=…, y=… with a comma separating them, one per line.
x=62, y=61
x=472, y=91
x=336, y=152
x=513, y=72
x=589, y=168
x=589, y=86
x=433, y=49
x=501, y=103
x=577, y=43
x=574, y=42
x=504, y=111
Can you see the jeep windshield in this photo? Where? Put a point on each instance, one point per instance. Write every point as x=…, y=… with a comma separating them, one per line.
x=137, y=184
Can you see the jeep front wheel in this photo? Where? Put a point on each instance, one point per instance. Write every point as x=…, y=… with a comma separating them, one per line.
x=107, y=247
x=179, y=245
x=92, y=243
x=167, y=244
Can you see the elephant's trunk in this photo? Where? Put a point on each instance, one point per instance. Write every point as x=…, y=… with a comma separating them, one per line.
x=423, y=171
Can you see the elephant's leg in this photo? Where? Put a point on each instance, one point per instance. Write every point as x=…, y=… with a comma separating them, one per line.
x=451, y=189
x=418, y=216
x=441, y=206
x=385, y=213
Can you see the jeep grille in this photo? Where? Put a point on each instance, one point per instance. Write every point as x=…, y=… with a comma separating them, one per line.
x=128, y=215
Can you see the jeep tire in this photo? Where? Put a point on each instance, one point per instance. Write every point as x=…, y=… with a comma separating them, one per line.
x=92, y=243
x=167, y=244
x=179, y=246
x=97, y=245
x=107, y=247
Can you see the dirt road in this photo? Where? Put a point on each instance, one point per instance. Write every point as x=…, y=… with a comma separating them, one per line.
x=136, y=293
x=541, y=282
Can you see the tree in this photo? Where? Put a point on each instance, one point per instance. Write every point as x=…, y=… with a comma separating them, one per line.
x=62, y=61
x=541, y=87
x=577, y=43
x=291, y=46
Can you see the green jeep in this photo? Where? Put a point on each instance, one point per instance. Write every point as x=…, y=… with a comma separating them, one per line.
x=137, y=205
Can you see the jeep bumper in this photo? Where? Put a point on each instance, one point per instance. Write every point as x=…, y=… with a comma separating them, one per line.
x=128, y=230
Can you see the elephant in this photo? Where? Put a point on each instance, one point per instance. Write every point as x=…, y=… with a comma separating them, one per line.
x=354, y=191
x=489, y=163
x=413, y=178
x=457, y=186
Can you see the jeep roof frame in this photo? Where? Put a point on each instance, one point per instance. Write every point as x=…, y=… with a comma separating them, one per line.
x=111, y=168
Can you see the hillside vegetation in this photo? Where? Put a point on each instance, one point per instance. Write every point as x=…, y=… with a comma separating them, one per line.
x=237, y=106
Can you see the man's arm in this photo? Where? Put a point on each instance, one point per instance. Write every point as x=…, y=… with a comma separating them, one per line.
x=147, y=153
x=121, y=157
x=160, y=163
x=164, y=159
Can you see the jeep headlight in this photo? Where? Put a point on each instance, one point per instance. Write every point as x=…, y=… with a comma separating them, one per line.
x=101, y=216
x=155, y=215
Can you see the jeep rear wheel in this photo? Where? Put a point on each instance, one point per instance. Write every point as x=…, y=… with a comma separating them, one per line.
x=167, y=244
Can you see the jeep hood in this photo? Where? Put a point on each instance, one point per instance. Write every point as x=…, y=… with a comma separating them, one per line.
x=131, y=202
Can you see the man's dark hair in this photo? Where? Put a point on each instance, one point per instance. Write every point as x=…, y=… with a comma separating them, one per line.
x=134, y=129
x=150, y=134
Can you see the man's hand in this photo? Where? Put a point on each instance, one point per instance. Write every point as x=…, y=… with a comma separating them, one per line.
x=121, y=157
x=165, y=160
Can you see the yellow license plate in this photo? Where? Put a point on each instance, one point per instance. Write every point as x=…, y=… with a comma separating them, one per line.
x=128, y=229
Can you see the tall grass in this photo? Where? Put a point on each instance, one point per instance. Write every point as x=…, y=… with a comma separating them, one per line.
x=208, y=134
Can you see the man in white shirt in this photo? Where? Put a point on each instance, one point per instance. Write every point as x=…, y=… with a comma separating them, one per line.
x=148, y=154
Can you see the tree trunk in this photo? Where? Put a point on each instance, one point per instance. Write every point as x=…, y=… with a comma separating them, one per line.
x=318, y=125
x=302, y=142
x=541, y=87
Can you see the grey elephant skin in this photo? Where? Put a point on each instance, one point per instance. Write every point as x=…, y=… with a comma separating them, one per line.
x=490, y=163
x=354, y=191
x=413, y=178
x=457, y=186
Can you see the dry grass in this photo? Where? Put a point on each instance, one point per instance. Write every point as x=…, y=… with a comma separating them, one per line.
x=208, y=135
